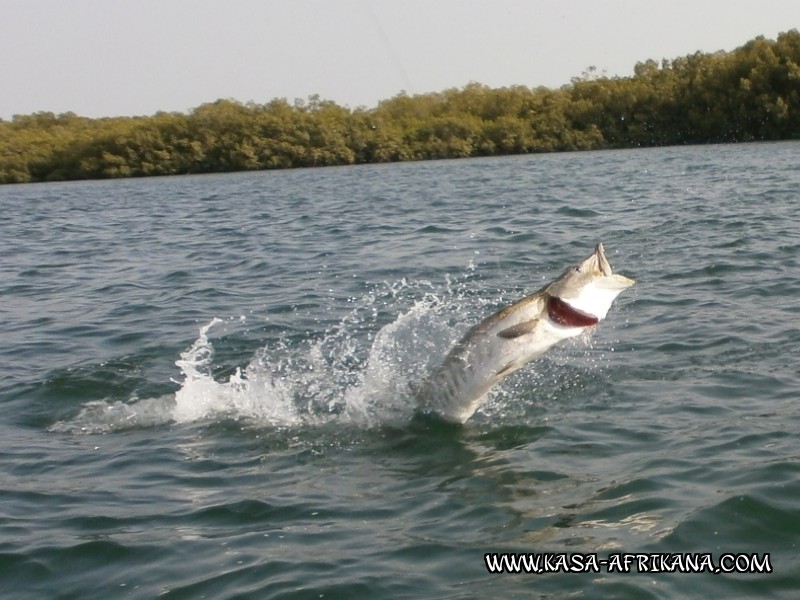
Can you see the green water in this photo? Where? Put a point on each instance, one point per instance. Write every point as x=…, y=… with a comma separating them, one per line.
x=206, y=379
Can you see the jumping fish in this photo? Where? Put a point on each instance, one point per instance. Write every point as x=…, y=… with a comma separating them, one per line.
x=515, y=335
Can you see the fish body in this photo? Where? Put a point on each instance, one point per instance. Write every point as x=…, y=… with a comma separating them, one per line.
x=510, y=338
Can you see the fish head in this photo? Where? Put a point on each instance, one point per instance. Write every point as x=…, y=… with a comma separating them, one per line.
x=584, y=293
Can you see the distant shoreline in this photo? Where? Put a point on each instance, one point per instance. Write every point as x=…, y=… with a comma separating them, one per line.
x=749, y=94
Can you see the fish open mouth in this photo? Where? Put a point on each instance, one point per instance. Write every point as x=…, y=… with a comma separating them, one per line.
x=563, y=314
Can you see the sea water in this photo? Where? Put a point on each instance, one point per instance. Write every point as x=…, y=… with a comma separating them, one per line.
x=208, y=381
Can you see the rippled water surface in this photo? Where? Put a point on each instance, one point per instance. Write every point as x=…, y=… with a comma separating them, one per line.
x=206, y=380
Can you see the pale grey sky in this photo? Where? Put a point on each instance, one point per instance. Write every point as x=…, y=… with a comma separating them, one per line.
x=133, y=57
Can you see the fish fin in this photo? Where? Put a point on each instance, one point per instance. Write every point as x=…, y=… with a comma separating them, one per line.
x=519, y=329
x=509, y=368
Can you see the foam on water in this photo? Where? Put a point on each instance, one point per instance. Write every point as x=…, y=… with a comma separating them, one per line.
x=347, y=375
x=342, y=376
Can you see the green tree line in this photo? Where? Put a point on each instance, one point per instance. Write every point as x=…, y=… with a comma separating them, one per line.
x=751, y=93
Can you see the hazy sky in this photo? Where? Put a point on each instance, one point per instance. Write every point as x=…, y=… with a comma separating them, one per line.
x=133, y=57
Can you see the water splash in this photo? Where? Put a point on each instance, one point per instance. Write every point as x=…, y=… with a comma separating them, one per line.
x=360, y=371
x=328, y=379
